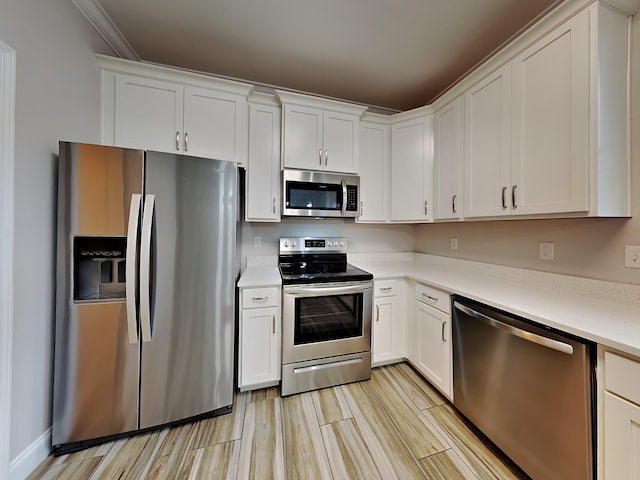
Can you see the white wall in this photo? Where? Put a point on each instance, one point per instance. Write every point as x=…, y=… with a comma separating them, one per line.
x=362, y=238
x=57, y=98
x=591, y=248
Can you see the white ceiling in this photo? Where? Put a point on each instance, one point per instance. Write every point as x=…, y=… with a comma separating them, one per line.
x=395, y=54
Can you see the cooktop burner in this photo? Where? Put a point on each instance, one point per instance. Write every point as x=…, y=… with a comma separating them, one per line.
x=317, y=260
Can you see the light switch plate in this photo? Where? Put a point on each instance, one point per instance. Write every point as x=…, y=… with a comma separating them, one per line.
x=631, y=256
x=454, y=243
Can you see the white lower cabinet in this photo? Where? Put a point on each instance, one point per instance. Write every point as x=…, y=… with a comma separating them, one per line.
x=621, y=418
x=431, y=334
x=259, y=345
x=389, y=333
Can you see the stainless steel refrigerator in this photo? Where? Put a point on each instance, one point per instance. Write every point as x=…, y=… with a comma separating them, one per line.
x=145, y=295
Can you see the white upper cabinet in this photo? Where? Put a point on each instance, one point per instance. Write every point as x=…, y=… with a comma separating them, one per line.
x=550, y=121
x=374, y=172
x=263, y=161
x=158, y=108
x=546, y=134
x=448, y=161
x=487, y=130
x=412, y=170
x=319, y=134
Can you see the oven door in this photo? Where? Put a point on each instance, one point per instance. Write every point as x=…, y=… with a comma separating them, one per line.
x=324, y=320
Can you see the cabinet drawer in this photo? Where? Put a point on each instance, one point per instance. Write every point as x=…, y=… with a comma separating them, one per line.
x=260, y=297
x=622, y=376
x=384, y=288
x=434, y=297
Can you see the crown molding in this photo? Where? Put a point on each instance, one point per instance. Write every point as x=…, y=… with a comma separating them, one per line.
x=105, y=27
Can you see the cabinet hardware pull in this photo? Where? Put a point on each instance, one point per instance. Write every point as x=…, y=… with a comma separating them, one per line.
x=273, y=324
x=186, y=141
x=361, y=208
x=426, y=207
x=443, y=339
x=377, y=312
x=513, y=196
x=178, y=141
x=453, y=204
x=326, y=157
x=320, y=163
x=385, y=289
x=274, y=205
x=504, y=200
x=260, y=299
x=435, y=299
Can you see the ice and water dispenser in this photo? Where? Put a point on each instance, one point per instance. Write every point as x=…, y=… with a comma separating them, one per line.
x=99, y=268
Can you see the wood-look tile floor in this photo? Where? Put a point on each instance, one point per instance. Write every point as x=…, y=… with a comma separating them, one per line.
x=395, y=426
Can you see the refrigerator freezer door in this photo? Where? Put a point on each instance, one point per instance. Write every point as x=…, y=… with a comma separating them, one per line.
x=187, y=366
x=96, y=366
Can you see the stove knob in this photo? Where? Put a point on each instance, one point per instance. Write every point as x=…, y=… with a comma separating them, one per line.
x=329, y=244
x=286, y=244
x=293, y=243
x=341, y=243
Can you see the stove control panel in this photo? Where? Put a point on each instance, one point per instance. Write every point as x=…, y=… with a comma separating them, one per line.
x=313, y=245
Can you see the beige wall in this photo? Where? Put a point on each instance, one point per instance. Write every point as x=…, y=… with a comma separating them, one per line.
x=591, y=248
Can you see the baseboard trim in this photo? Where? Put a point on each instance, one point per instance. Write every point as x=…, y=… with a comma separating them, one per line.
x=29, y=459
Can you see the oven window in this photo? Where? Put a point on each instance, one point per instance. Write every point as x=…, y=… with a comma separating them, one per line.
x=331, y=317
x=314, y=196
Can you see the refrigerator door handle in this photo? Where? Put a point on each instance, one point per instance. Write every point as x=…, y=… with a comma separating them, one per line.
x=130, y=269
x=145, y=267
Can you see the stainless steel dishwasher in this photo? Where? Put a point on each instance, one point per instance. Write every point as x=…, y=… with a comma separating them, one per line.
x=528, y=388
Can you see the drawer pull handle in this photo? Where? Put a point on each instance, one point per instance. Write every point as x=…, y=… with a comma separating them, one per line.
x=273, y=324
x=260, y=299
x=434, y=299
x=385, y=289
x=377, y=312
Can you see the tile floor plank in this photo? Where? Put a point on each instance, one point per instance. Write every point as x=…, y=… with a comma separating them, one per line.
x=261, y=451
x=446, y=466
x=418, y=434
x=305, y=456
x=349, y=457
x=389, y=452
x=416, y=388
x=331, y=405
x=223, y=428
x=217, y=462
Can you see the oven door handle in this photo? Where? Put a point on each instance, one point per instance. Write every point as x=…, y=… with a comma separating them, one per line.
x=316, y=291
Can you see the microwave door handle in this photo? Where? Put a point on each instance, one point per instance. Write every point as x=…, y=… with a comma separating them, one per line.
x=131, y=278
x=344, y=197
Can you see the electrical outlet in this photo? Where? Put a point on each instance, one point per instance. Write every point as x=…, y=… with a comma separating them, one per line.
x=454, y=243
x=631, y=256
x=257, y=242
x=545, y=251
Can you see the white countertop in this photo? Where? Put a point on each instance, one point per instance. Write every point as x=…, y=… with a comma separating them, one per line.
x=604, y=312
x=559, y=301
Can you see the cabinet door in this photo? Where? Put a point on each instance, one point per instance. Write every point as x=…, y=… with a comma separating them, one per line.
x=259, y=346
x=374, y=172
x=148, y=114
x=412, y=170
x=621, y=438
x=213, y=124
x=434, y=348
x=382, y=329
x=263, y=164
x=487, y=133
x=340, y=142
x=550, y=160
x=448, y=161
x=302, y=137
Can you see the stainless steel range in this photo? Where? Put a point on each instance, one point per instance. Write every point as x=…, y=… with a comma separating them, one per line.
x=326, y=315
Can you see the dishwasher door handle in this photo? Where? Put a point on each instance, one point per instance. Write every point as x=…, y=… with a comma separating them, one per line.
x=518, y=332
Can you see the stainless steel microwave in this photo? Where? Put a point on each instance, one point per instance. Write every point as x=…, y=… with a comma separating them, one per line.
x=307, y=193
